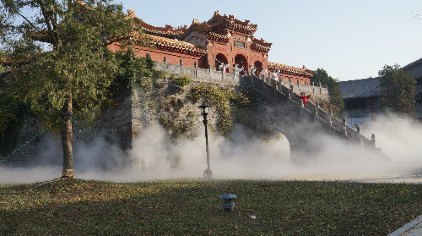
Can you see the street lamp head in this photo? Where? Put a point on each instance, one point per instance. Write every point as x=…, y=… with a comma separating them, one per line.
x=204, y=108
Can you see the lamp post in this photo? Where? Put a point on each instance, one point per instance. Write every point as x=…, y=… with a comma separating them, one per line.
x=204, y=113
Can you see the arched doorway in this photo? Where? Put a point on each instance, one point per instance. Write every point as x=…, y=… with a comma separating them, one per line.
x=259, y=67
x=219, y=60
x=240, y=61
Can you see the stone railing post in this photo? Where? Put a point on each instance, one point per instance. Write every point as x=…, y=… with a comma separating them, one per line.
x=330, y=122
x=330, y=119
x=302, y=108
x=223, y=72
x=195, y=66
x=181, y=66
x=373, y=140
x=316, y=111
x=210, y=72
x=358, y=137
x=320, y=88
x=344, y=126
x=291, y=92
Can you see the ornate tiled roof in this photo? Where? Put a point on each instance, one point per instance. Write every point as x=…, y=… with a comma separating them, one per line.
x=224, y=38
x=222, y=22
x=362, y=88
x=168, y=31
x=290, y=69
x=203, y=27
x=261, y=42
x=174, y=45
x=260, y=45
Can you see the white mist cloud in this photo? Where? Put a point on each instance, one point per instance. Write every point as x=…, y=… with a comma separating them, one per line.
x=240, y=155
x=398, y=137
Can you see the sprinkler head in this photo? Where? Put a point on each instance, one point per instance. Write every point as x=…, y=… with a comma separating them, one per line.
x=228, y=201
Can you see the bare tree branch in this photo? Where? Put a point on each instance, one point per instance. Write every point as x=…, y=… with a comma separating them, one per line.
x=50, y=27
x=27, y=20
x=15, y=61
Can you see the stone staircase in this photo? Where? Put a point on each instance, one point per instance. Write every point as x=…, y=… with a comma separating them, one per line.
x=289, y=91
x=314, y=112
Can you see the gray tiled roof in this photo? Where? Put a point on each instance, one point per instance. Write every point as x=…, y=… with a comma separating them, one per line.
x=414, y=68
x=362, y=88
x=418, y=89
x=413, y=64
x=365, y=88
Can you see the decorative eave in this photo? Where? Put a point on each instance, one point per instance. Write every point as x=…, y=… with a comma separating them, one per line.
x=222, y=38
x=222, y=22
x=168, y=31
x=203, y=27
x=260, y=45
x=173, y=45
x=261, y=42
x=260, y=48
x=286, y=69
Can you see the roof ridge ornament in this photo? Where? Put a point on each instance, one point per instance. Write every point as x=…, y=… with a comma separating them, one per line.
x=131, y=13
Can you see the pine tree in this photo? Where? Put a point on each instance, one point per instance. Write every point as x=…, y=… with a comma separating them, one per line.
x=62, y=69
x=398, y=90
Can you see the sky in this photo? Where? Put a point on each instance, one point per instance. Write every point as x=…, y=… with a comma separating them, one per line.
x=349, y=39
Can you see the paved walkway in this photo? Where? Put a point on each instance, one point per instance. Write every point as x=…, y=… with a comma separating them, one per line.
x=413, y=228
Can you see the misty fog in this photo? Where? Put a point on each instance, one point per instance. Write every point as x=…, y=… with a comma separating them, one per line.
x=238, y=156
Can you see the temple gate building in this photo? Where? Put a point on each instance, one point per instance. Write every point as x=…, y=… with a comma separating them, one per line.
x=221, y=43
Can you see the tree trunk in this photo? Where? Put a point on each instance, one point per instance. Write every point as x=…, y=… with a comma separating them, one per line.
x=67, y=139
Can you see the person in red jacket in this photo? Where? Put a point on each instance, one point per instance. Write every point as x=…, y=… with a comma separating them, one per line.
x=304, y=98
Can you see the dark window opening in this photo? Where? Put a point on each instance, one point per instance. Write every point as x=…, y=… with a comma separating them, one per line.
x=419, y=98
x=357, y=103
x=419, y=80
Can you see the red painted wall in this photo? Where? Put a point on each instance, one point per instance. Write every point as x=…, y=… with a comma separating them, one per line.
x=159, y=55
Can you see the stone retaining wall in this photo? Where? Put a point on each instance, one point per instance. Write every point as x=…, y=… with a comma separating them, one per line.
x=318, y=93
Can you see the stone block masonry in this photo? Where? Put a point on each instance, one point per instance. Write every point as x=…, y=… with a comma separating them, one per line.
x=280, y=110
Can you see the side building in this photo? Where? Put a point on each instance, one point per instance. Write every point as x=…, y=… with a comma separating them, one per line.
x=362, y=98
x=415, y=69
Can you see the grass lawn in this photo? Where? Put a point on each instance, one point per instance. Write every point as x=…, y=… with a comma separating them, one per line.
x=75, y=207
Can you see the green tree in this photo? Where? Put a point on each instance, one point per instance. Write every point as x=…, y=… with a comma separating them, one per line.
x=398, y=89
x=65, y=69
x=336, y=99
